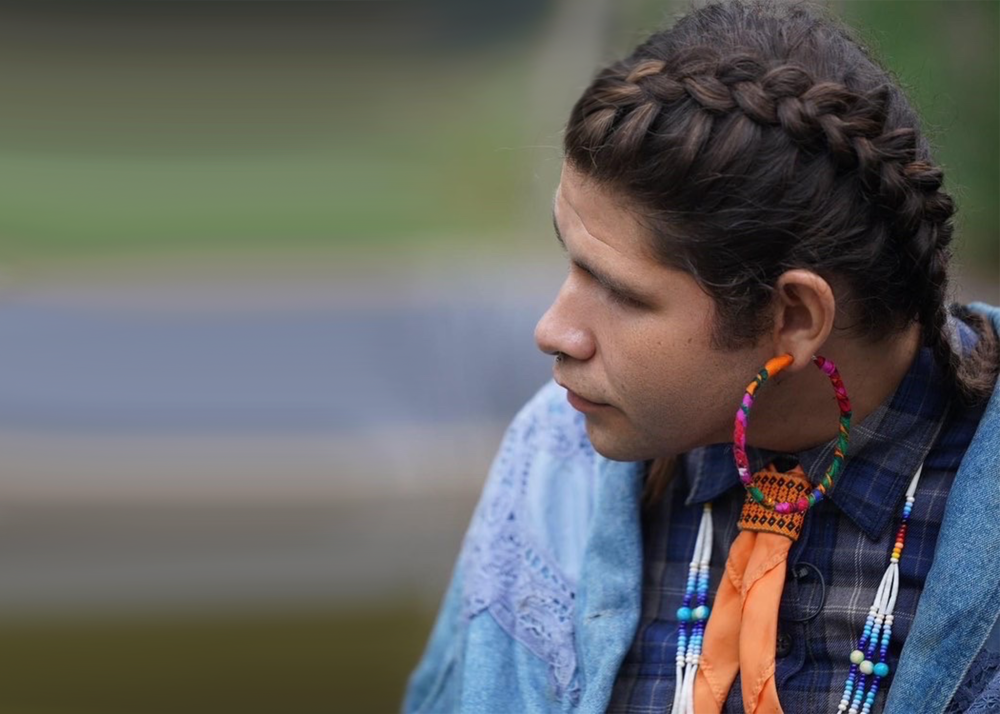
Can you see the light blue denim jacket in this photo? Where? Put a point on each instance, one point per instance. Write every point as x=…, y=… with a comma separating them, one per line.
x=544, y=600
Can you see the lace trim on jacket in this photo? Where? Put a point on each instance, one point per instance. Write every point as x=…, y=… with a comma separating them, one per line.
x=979, y=693
x=507, y=572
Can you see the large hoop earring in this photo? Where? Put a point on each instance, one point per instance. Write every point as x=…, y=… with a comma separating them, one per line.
x=773, y=367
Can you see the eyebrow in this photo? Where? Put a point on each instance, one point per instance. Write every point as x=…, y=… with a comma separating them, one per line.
x=604, y=279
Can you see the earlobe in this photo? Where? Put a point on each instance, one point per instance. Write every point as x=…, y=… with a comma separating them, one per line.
x=804, y=311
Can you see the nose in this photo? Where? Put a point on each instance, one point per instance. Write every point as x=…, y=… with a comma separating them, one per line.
x=562, y=329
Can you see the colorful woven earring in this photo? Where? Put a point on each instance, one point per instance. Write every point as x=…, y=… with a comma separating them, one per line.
x=773, y=367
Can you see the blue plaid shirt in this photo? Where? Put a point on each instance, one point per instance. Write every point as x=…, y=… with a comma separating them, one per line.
x=837, y=563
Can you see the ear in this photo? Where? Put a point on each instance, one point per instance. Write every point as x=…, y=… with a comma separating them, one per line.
x=804, y=310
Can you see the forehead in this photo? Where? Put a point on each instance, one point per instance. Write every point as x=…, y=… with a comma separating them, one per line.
x=586, y=211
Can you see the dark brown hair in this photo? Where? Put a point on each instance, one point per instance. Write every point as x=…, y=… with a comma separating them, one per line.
x=756, y=137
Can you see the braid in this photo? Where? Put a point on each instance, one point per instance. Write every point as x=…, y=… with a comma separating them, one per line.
x=628, y=97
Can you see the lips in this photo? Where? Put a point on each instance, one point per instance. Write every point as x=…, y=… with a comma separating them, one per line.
x=578, y=401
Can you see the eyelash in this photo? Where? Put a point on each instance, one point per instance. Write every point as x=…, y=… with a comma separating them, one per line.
x=623, y=300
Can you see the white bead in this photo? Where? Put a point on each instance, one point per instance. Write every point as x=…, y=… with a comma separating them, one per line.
x=866, y=667
x=857, y=657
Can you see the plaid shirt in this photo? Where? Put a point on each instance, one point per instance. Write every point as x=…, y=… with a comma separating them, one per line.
x=837, y=563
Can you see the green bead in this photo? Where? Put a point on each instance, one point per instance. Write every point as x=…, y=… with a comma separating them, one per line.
x=756, y=493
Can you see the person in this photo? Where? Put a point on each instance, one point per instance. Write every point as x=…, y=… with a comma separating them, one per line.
x=746, y=197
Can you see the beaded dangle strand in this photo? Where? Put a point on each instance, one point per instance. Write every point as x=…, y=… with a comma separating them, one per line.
x=878, y=626
x=692, y=620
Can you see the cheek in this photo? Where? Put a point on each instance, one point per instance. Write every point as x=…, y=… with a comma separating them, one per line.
x=664, y=355
x=674, y=386
x=654, y=368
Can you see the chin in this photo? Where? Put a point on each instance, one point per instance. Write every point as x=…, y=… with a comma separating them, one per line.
x=632, y=445
x=616, y=447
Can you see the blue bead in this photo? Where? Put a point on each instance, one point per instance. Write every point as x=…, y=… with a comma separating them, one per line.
x=881, y=669
x=684, y=614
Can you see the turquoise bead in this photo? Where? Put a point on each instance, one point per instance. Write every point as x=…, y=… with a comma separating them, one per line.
x=684, y=614
x=881, y=669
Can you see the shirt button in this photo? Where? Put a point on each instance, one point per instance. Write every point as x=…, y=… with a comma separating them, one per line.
x=783, y=644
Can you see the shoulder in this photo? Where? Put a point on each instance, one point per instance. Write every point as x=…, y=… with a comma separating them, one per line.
x=524, y=549
x=992, y=312
x=988, y=433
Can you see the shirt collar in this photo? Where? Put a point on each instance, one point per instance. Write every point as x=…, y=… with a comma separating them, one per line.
x=885, y=450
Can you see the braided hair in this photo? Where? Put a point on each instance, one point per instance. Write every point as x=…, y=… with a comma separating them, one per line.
x=758, y=136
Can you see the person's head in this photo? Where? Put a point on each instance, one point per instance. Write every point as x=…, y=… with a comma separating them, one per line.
x=762, y=185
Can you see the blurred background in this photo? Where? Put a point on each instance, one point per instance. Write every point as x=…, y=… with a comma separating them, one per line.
x=268, y=278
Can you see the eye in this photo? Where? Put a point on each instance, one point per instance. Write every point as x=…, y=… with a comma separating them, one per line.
x=623, y=300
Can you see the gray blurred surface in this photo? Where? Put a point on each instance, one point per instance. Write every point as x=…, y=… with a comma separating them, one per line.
x=136, y=362
x=203, y=443
x=145, y=558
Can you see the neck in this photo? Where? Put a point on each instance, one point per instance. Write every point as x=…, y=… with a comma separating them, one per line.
x=798, y=411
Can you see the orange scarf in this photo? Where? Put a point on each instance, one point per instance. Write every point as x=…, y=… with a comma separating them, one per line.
x=743, y=625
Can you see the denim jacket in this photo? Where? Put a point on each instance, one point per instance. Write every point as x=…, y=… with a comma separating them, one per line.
x=544, y=600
